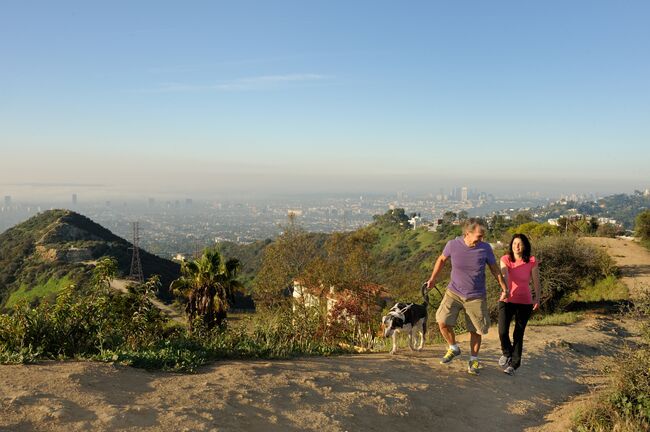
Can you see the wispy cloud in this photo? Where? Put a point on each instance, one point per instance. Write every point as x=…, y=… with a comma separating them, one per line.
x=263, y=82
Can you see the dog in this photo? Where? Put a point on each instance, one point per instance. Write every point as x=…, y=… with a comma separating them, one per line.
x=410, y=318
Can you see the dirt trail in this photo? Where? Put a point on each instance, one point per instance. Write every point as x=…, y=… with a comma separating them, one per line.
x=374, y=392
x=633, y=260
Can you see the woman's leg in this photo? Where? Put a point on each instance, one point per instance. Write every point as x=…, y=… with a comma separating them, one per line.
x=505, y=317
x=522, y=314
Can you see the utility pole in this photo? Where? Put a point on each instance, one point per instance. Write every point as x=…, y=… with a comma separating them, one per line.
x=136, y=264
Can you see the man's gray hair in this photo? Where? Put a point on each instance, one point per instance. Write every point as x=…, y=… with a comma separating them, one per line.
x=470, y=225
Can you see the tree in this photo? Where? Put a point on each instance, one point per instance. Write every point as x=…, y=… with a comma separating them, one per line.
x=394, y=217
x=104, y=273
x=522, y=218
x=643, y=225
x=207, y=285
x=284, y=261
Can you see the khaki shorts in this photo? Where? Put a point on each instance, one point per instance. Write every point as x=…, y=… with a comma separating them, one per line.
x=477, y=317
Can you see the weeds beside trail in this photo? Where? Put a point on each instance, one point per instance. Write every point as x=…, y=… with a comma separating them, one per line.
x=128, y=329
x=625, y=405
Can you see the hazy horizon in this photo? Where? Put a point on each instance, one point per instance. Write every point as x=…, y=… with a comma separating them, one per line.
x=252, y=98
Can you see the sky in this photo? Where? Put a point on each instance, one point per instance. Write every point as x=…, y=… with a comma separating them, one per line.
x=205, y=98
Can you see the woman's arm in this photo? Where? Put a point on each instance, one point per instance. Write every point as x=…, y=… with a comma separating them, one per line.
x=537, y=287
x=504, y=272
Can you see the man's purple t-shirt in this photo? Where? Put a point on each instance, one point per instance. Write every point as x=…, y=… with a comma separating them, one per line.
x=468, y=267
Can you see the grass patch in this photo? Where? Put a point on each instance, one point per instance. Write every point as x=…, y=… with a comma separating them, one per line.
x=557, y=319
x=608, y=289
x=49, y=288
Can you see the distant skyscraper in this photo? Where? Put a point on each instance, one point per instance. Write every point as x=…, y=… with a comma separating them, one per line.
x=74, y=199
x=188, y=202
x=463, y=193
x=151, y=202
x=7, y=201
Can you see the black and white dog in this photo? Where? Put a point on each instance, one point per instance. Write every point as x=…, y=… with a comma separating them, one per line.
x=410, y=318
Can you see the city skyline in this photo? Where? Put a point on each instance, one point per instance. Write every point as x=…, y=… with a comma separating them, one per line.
x=145, y=99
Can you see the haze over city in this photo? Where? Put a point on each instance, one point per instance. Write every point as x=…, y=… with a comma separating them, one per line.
x=254, y=98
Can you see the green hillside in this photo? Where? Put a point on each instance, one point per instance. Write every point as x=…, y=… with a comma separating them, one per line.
x=404, y=257
x=57, y=248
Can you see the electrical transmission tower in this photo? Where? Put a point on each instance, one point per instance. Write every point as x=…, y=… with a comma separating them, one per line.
x=136, y=264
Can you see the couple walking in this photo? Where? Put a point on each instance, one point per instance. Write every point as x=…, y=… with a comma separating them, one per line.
x=469, y=255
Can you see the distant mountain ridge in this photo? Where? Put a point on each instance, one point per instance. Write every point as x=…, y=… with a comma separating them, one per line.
x=57, y=247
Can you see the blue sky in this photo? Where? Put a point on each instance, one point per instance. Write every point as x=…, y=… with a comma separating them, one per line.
x=206, y=97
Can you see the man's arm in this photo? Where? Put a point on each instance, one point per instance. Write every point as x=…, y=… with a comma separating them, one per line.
x=437, y=268
x=499, y=277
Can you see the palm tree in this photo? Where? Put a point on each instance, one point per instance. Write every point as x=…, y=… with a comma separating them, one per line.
x=208, y=285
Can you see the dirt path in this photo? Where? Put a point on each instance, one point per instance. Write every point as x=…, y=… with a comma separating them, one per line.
x=374, y=392
x=633, y=260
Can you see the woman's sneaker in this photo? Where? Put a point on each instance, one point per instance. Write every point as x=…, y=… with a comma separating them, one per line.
x=473, y=367
x=503, y=360
x=450, y=355
x=509, y=370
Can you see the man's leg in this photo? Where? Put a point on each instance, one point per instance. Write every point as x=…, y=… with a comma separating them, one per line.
x=474, y=343
x=477, y=319
x=446, y=317
x=447, y=332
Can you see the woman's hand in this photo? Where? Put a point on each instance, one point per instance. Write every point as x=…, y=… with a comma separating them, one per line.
x=504, y=296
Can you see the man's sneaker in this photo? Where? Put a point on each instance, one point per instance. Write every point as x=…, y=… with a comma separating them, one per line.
x=473, y=367
x=509, y=370
x=449, y=356
x=503, y=360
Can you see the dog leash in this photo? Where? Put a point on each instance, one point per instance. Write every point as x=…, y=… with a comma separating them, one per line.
x=425, y=293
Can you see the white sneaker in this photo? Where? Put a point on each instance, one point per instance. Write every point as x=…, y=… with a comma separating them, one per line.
x=509, y=370
x=503, y=360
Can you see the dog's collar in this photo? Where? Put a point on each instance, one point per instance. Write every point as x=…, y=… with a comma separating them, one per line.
x=399, y=313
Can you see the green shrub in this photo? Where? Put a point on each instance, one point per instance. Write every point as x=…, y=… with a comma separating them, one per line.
x=566, y=264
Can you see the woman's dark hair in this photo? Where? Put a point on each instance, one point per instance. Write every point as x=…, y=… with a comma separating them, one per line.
x=525, y=254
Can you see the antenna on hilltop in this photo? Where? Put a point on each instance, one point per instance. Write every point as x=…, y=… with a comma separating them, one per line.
x=136, y=265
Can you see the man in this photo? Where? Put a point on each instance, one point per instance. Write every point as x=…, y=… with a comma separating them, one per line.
x=466, y=290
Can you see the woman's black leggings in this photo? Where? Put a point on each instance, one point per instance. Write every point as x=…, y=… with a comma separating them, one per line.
x=521, y=314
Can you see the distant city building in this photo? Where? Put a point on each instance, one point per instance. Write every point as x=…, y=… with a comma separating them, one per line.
x=74, y=199
x=647, y=192
x=294, y=212
x=188, y=202
x=151, y=202
x=7, y=201
x=464, y=194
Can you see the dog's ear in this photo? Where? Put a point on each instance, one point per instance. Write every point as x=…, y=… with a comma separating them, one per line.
x=384, y=319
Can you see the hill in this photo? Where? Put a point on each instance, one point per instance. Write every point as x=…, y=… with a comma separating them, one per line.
x=621, y=207
x=58, y=247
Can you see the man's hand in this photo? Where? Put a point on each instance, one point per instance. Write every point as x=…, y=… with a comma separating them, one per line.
x=504, y=296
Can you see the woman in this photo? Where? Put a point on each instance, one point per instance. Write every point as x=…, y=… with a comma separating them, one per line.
x=518, y=268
